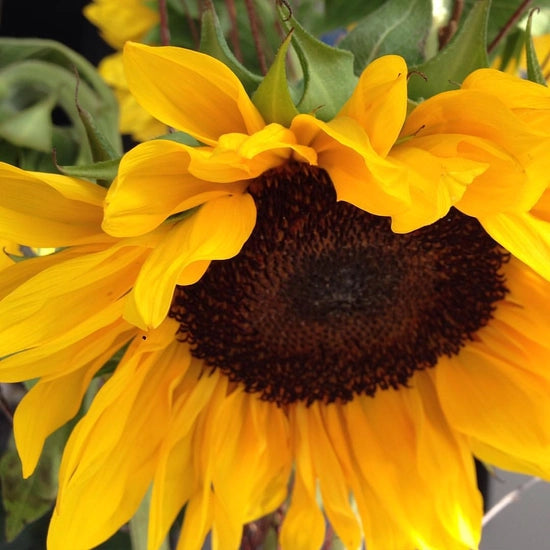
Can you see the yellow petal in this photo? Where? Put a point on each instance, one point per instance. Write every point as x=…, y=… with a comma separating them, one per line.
x=482, y=115
x=217, y=231
x=190, y=91
x=66, y=351
x=239, y=156
x=507, y=461
x=33, y=421
x=526, y=307
x=134, y=119
x=525, y=236
x=200, y=509
x=48, y=210
x=197, y=521
x=333, y=484
x=110, y=458
x=250, y=476
x=360, y=176
x=437, y=179
x=379, y=102
x=506, y=381
x=513, y=182
x=515, y=152
x=121, y=21
x=153, y=183
x=377, y=523
x=529, y=101
x=79, y=289
x=394, y=435
x=304, y=524
x=175, y=478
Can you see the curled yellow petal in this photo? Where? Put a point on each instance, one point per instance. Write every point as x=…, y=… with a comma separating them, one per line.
x=153, y=183
x=379, y=102
x=217, y=231
x=165, y=81
x=360, y=175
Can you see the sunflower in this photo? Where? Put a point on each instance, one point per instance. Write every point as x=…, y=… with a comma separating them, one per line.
x=349, y=309
x=122, y=20
x=118, y=22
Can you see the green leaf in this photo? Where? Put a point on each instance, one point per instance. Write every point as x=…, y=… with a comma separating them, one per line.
x=100, y=146
x=56, y=59
x=465, y=53
x=272, y=98
x=180, y=137
x=534, y=71
x=105, y=170
x=398, y=26
x=338, y=13
x=213, y=43
x=329, y=79
x=30, y=127
x=25, y=500
x=33, y=536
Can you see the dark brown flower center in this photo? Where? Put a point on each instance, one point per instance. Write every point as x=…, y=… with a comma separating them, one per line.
x=324, y=301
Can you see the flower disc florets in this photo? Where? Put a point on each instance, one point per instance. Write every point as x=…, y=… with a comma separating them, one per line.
x=325, y=301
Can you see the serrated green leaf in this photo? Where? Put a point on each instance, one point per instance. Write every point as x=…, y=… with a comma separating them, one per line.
x=534, y=71
x=329, y=79
x=213, y=43
x=272, y=98
x=465, y=53
x=397, y=27
x=105, y=170
x=100, y=146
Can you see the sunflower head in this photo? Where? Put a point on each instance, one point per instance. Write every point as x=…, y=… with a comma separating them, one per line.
x=321, y=305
